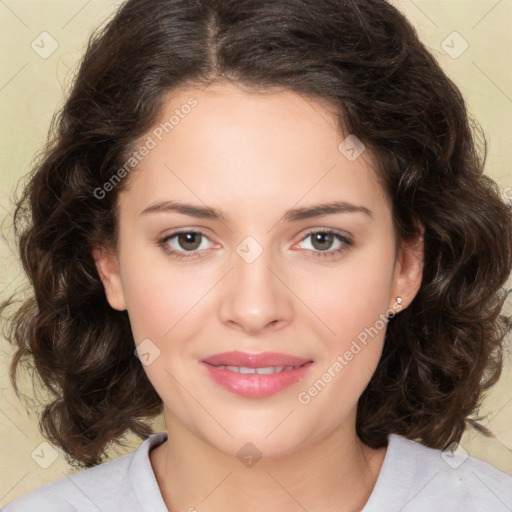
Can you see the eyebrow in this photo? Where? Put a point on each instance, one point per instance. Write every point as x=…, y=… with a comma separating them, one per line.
x=292, y=215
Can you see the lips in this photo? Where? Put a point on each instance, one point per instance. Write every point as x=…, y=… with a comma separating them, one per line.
x=255, y=375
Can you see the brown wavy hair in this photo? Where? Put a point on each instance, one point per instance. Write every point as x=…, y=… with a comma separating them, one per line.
x=440, y=354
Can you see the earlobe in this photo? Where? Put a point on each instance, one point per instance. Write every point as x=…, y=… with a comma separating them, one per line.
x=409, y=270
x=108, y=271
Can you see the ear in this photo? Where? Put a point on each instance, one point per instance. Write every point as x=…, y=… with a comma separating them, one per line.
x=408, y=270
x=107, y=266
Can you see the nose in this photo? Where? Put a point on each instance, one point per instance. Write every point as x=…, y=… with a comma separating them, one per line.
x=254, y=296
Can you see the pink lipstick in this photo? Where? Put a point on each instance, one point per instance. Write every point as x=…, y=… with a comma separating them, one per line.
x=255, y=375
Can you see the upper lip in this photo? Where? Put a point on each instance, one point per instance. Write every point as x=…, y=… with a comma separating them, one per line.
x=250, y=360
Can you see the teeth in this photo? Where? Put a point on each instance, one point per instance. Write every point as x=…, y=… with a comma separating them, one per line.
x=260, y=371
x=241, y=369
x=269, y=369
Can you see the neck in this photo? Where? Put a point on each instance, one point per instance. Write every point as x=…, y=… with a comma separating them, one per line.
x=337, y=473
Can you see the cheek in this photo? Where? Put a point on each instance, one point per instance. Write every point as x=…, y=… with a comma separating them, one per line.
x=352, y=296
x=158, y=294
x=351, y=304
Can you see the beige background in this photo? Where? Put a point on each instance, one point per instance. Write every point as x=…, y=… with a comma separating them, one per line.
x=32, y=87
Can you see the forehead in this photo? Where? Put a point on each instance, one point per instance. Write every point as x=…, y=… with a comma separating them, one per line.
x=228, y=147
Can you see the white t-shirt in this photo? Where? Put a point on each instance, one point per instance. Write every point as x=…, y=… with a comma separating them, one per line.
x=413, y=478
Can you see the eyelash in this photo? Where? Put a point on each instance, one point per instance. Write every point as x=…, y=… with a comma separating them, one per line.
x=180, y=255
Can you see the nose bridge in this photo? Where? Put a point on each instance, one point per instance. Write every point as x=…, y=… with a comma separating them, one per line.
x=254, y=296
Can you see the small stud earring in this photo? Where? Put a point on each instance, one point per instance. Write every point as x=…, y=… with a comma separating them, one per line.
x=399, y=300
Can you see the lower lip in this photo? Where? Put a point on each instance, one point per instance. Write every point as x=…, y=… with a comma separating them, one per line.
x=255, y=385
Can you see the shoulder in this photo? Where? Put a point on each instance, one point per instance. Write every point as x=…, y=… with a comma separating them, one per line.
x=415, y=478
x=112, y=486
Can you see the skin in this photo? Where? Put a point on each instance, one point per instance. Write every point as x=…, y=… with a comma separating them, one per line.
x=256, y=156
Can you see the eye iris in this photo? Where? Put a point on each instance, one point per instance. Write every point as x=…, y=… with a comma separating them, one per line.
x=189, y=238
x=323, y=238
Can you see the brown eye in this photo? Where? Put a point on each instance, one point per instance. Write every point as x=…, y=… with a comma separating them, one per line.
x=185, y=244
x=189, y=241
x=322, y=241
x=326, y=244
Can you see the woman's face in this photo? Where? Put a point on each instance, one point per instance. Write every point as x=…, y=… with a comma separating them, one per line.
x=263, y=269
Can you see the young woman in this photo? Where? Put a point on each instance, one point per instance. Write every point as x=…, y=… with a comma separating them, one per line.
x=269, y=220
